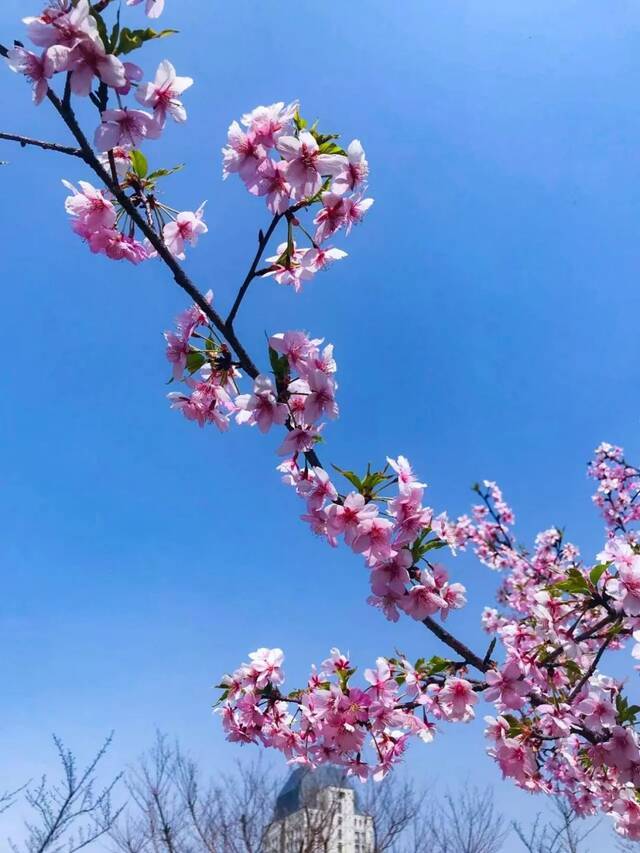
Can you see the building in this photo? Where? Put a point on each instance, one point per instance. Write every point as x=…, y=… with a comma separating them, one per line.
x=319, y=812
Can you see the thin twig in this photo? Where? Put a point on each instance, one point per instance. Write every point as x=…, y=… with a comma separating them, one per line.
x=262, y=245
x=24, y=141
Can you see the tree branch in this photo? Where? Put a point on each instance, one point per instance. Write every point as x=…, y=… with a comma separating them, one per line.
x=262, y=245
x=464, y=651
x=24, y=141
x=179, y=275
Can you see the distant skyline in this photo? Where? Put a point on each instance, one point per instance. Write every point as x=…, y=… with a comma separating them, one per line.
x=490, y=292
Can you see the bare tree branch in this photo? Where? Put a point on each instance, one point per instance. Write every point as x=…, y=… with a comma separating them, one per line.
x=560, y=835
x=466, y=823
x=24, y=141
x=69, y=813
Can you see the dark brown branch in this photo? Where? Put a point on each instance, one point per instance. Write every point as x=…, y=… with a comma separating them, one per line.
x=464, y=651
x=262, y=245
x=591, y=670
x=179, y=275
x=24, y=141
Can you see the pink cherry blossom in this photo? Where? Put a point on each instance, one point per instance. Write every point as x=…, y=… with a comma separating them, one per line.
x=261, y=407
x=125, y=128
x=163, y=94
x=319, y=259
x=207, y=403
x=319, y=390
x=61, y=24
x=186, y=228
x=270, y=180
x=626, y=589
x=423, y=600
x=121, y=160
x=133, y=74
x=354, y=173
x=89, y=206
x=355, y=209
x=296, y=346
x=331, y=216
x=153, y=8
x=38, y=69
x=457, y=699
x=88, y=59
x=242, y=154
x=299, y=440
x=266, y=664
x=306, y=166
x=507, y=686
x=268, y=124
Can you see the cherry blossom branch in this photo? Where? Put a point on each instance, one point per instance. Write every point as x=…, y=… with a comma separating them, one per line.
x=181, y=278
x=594, y=665
x=263, y=240
x=24, y=141
x=464, y=651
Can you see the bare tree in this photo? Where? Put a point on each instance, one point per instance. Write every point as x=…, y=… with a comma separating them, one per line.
x=627, y=846
x=8, y=798
x=564, y=833
x=398, y=811
x=173, y=809
x=465, y=823
x=70, y=814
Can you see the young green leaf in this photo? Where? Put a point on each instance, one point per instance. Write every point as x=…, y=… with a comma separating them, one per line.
x=131, y=40
x=139, y=163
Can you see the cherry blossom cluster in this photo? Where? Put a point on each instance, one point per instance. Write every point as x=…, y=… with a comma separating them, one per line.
x=618, y=491
x=364, y=728
x=74, y=39
x=560, y=724
x=293, y=167
x=100, y=220
x=563, y=726
x=207, y=371
x=394, y=535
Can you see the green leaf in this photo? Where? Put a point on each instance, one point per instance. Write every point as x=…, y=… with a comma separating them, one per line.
x=163, y=173
x=351, y=477
x=436, y=664
x=597, y=571
x=131, y=40
x=575, y=583
x=343, y=677
x=573, y=669
x=223, y=697
x=433, y=545
x=299, y=122
x=372, y=481
x=195, y=360
x=626, y=713
x=139, y=163
x=330, y=147
x=280, y=368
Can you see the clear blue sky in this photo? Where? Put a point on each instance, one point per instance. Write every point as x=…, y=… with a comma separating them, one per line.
x=484, y=326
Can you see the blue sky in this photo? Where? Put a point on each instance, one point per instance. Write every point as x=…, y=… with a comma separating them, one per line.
x=483, y=326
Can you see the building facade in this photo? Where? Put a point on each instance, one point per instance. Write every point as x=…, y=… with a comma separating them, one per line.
x=319, y=812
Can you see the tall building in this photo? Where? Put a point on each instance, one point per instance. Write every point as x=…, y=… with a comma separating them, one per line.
x=319, y=812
